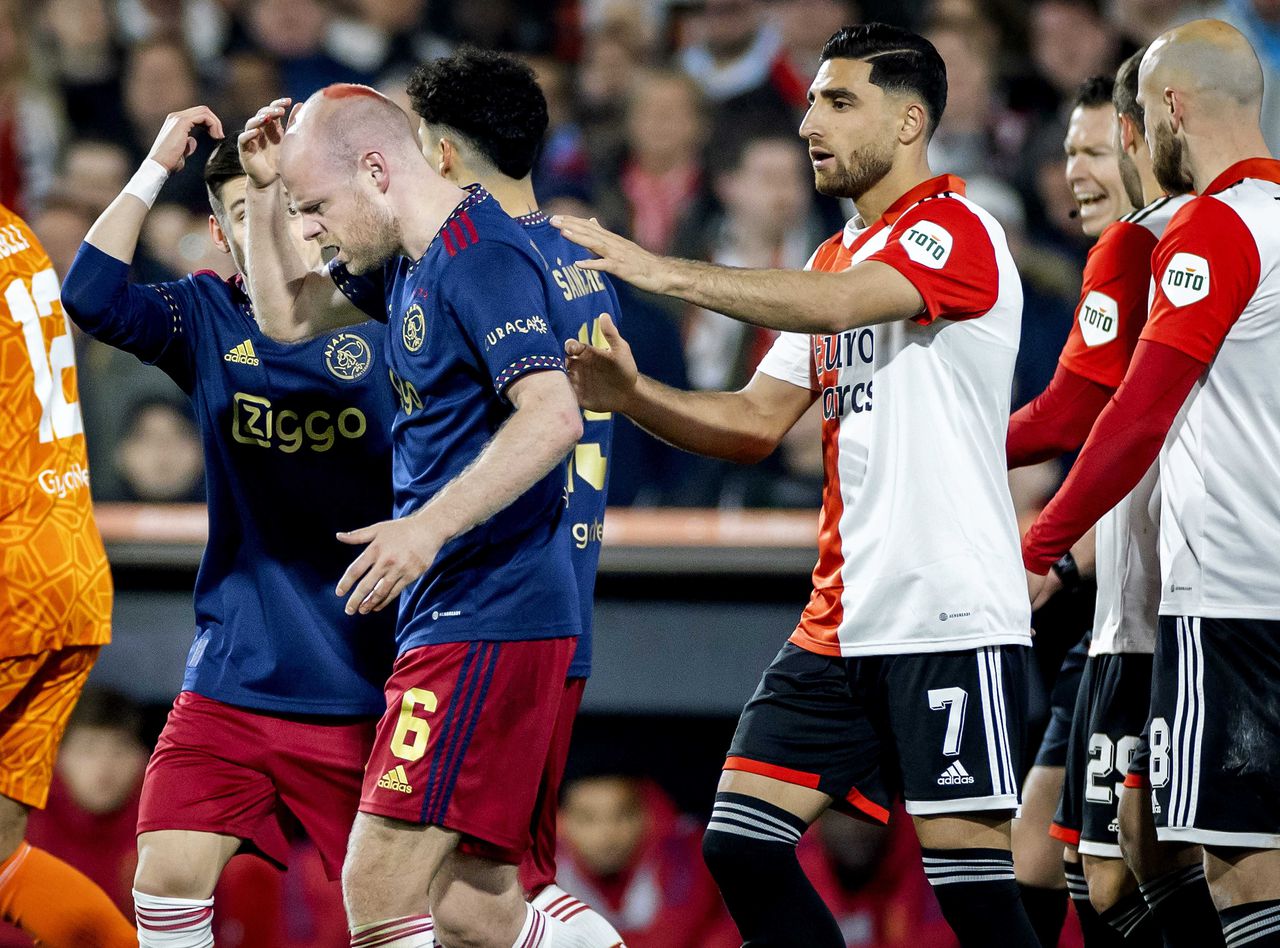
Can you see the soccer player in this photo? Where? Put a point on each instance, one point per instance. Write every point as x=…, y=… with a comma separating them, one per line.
x=907, y=672
x=55, y=593
x=1113, y=171
x=282, y=689
x=482, y=119
x=1202, y=385
x=489, y=620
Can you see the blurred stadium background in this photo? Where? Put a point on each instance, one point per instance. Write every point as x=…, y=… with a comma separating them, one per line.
x=673, y=122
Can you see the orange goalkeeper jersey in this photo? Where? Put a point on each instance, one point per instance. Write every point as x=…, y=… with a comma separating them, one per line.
x=55, y=588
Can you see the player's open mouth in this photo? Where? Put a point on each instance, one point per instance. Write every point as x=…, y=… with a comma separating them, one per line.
x=821, y=158
x=1086, y=201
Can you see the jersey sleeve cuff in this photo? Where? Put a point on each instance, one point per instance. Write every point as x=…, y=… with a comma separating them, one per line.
x=526, y=366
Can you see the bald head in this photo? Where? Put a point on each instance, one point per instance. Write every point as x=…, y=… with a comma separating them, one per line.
x=343, y=122
x=1205, y=59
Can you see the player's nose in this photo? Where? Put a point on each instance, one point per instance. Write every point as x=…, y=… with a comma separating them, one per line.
x=311, y=228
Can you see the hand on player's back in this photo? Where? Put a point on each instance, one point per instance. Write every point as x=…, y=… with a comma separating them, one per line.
x=603, y=378
x=259, y=143
x=617, y=255
x=398, y=552
x=176, y=142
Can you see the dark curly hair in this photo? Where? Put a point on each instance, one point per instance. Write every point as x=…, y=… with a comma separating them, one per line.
x=1094, y=93
x=490, y=100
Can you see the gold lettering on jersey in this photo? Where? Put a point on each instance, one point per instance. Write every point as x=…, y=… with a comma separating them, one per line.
x=511, y=327
x=255, y=421
x=12, y=240
x=596, y=339
x=410, y=400
x=575, y=282
x=585, y=533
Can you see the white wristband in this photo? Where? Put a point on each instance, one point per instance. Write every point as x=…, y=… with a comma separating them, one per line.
x=147, y=181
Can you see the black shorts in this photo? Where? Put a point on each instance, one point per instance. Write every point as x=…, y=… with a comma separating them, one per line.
x=1115, y=696
x=1062, y=704
x=1215, y=732
x=943, y=730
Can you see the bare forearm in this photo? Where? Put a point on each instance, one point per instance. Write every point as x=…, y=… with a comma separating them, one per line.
x=715, y=424
x=117, y=230
x=525, y=449
x=275, y=270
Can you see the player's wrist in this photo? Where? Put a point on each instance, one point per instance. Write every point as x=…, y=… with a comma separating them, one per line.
x=147, y=181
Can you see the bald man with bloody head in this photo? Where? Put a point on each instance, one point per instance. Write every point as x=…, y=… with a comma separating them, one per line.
x=1201, y=394
x=488, y=615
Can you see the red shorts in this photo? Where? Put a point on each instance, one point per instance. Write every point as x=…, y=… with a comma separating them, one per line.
x=466, y=739
x=539, y=867
x=222, y=769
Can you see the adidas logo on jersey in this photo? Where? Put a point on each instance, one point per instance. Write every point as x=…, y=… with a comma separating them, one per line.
x=395, y=779
x=242, y=354
x=955, y=774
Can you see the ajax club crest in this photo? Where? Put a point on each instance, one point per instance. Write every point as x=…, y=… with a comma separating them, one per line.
x=413, y=331
x=347, y=356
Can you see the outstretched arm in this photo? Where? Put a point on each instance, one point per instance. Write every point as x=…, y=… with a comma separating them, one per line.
x=1057, y=420
x=536, y=437
x=291, y=299
x=743, y=426
x=793, y=300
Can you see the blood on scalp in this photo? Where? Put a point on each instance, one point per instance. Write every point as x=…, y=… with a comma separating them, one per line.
x=350, y=90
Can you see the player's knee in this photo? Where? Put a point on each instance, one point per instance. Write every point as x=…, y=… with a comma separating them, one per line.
x=163, y=874
x=13, y=826
x=468, y=919
x=1109, y=881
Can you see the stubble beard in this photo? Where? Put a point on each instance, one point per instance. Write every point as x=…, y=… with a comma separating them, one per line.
x=863, y=170
x=1169, y=161
x=374, y=236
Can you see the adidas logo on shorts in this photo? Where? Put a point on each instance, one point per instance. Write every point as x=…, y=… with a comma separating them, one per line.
x=395, y=779
x=955, y=774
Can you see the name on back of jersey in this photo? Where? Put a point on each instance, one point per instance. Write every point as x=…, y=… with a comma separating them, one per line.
x=574, y=282
x=832, y=354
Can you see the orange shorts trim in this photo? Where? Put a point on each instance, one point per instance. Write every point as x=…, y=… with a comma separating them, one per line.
x=866, y=806
x=1069, y=836
x=1137, y=782
x=797, y=777
x=37, y=696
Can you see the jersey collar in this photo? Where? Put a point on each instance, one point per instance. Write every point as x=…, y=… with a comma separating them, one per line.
x=1264, y=169
x=932, y=187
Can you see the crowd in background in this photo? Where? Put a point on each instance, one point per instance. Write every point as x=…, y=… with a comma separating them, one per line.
x=673, y=121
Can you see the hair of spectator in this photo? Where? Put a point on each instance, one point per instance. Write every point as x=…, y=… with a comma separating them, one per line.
x=181, y=408
x=729, y=151
x=108, y=709
x=164, y=41
x=1094, y=93
x=901, y=61
x=223, y=166
x=1125, y=95
x=491, y=101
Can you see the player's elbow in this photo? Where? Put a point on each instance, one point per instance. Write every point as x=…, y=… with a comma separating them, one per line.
x=752, y=448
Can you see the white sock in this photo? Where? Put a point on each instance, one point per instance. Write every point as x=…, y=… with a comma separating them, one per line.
x=408, y=931
x=173, y=923
x=542, y=931
x=579, y=916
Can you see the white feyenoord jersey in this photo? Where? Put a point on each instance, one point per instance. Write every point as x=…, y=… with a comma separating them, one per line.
x=1217, y=298
x=1128, y=535
x=918, y=546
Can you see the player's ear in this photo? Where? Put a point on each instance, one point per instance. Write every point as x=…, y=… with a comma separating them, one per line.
x=446, y=157
x=914, y=123
x=375, y=165
x=218, y=236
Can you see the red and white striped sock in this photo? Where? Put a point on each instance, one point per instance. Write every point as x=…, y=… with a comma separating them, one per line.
x=173, y=923
x=585, y=921
x=408, y=931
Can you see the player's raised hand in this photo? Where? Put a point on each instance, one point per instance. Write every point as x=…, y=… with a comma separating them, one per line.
x=398, y=552
x=617, y=255
x=176, y=141
x=603, y=378
x=259, y=143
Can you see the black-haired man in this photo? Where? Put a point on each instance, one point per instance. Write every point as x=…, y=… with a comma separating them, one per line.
x=906, y=673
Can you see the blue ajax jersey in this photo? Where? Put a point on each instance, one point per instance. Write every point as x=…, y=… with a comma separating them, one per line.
x=463, y=323
x=297, y=446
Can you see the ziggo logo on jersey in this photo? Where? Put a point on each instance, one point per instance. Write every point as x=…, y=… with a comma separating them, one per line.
x=255, y=421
